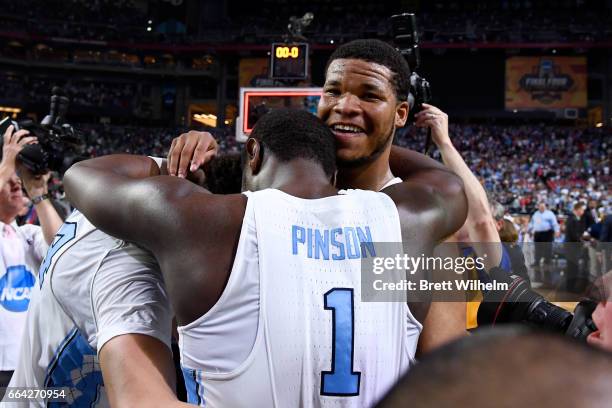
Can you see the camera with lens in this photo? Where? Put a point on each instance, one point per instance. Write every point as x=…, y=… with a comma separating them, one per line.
x=59, y=144
x=406, y=39
x=520, y=304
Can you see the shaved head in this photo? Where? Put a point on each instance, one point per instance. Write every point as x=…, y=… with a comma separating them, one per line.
x=508, y=367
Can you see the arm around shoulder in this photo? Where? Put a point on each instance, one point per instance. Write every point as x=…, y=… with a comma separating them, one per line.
x=118, y=194
x=440, y=211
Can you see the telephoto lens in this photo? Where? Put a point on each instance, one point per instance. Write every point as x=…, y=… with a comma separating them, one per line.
x=520, y=304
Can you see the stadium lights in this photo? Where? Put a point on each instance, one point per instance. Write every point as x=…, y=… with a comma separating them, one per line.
x=9, y=109
x=206, y=119
x=12, y=111
x=148, y=28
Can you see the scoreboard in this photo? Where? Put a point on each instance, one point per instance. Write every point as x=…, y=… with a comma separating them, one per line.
x=256, y=102
x=289, y=61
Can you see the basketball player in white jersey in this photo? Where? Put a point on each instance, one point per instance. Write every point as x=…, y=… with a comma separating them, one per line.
x=364, y=100
x=93, y=287
x=266, y=285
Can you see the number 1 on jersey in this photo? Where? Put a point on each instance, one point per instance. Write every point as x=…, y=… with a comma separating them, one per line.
x=341, y=381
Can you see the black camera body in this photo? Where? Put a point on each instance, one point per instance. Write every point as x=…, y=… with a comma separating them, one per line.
x=59, y=144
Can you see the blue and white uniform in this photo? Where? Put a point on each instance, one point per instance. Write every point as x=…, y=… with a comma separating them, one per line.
x=290, y=329
x=93, y=287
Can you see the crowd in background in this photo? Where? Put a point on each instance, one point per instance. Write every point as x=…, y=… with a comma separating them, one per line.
x=98, y=19
x=87, y=93
x=519, y=166
x=151, y=141
x=522, y=165
x=82, y=93
x=439, y=21
x=500, y=21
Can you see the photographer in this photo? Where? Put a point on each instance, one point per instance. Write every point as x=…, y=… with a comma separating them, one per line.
x=21, y=248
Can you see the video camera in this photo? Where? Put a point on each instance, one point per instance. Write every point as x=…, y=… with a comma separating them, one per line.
x=520, y=304
x=59, y=144
x=406, y=39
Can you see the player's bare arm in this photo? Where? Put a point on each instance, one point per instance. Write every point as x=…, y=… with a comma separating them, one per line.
x=442, y=321
x=138, y=372
x=436, y=213
x=479, y=224
x=122, y=196
x=111, y=192
x=427, y=216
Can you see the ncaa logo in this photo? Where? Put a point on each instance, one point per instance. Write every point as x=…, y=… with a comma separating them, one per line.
x=15, y=288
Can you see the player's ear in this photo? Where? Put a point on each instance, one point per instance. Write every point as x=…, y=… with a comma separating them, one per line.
x=254, y=155
x=401, y=114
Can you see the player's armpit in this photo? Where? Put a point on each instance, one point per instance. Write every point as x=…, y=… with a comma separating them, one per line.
x=445, y=322
x=138, y=372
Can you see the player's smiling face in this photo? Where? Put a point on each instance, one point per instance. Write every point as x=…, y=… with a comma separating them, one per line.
x=360, y=106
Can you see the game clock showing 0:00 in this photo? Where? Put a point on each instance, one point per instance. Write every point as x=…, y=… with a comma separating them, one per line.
x=289, y=60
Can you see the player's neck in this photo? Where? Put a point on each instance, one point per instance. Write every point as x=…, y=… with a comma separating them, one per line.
x=7, y=217
x=368, y=176
x=302, y=178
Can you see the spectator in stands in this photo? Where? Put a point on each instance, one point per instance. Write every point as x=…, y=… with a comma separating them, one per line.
x=591, y=216
x=544, y=226
x=509, y=238
x=575, y=226
x=593, y=234
x=605, y=240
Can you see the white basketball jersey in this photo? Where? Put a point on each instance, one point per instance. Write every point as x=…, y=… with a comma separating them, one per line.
x=290, y=329
x=93, y=287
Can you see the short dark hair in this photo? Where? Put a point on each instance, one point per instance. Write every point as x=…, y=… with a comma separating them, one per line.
x=293, y=133
x=224, y=174
x=578, y=205
x=480, y=368
x=379, y=52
